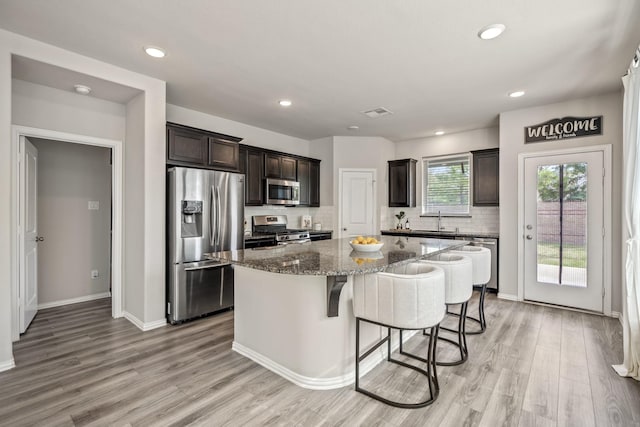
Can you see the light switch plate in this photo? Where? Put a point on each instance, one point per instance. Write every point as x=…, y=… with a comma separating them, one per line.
x=94, y=205
x=94, y=274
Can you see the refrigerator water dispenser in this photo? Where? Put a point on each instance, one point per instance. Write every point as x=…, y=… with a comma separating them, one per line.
x=191, y=218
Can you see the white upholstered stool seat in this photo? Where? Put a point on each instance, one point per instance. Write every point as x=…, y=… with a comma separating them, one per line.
x=411, y=300
x=458, y=282
x=481, y=260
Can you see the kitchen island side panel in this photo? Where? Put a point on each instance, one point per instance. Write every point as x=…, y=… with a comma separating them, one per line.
x=281, y=323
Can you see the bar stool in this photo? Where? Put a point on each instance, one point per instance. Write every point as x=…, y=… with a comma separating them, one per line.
x=411, y=301
x=481, y=260
x=458, y=274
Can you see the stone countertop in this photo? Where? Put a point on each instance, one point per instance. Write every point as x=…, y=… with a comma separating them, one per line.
x=444, y=235
x=335, y=257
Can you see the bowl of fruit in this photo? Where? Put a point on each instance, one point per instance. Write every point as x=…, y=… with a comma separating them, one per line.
x=366, y=244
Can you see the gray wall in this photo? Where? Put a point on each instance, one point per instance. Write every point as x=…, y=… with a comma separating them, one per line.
x=512, y=125
x=77, y=240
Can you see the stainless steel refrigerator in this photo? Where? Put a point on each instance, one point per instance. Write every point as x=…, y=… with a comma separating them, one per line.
x=205, y=214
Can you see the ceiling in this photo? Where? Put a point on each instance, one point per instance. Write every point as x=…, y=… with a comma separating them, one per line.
x=334, y=59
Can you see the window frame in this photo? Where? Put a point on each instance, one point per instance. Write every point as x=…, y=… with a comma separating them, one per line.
x=425, y=161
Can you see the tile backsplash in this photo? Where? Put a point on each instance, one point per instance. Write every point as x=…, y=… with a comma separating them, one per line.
x=323, y=215
x=480, y=220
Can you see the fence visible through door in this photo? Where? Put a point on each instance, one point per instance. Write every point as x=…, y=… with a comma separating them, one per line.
x=564, y=224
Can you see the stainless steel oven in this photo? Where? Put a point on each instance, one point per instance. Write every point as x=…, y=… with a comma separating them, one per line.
x=282, y=192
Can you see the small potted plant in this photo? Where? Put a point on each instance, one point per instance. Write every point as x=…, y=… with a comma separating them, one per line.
x=399, y=216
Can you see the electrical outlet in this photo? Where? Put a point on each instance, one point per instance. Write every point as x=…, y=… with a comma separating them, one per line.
x=94, y=205
x=94, y=274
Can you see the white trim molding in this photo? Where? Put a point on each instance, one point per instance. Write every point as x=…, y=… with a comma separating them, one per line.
x=117, y=206
x=144, y=327
x=9, y=364
x=74, y=300
x=508, y=297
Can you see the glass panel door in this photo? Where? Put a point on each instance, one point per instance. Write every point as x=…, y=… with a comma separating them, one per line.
x=562, y=240
x=561, y=224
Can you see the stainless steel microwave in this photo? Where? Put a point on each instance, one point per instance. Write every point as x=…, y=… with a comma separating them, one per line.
x=282, y=192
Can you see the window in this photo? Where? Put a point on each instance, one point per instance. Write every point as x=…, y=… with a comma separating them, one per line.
x=445, y=184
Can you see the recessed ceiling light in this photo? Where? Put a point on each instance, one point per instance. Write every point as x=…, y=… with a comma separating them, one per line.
x=353, y=127
x=82, y=89
x=491, y=31
x=516, y=94
x=156, y=52
x=285, y=103
x=440, y=132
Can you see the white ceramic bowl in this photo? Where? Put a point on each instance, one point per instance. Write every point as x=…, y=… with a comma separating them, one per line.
x=366, y=248
x=367, y=256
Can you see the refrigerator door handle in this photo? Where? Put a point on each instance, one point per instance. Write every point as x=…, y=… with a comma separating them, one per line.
x=211, y=224
x=217, y=220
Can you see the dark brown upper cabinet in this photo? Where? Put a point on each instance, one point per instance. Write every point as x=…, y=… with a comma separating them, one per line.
x=402, y=183
x=251, y=167
x=309, y=179
x=486, y=177
x=224, y=154
x=187, y=146
x=280, y=166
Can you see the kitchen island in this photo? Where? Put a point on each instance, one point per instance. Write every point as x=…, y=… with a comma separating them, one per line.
x=293, y=309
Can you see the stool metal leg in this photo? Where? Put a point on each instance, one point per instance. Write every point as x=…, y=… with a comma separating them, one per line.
x=481, y=318
x=432, y=377
x=461, y=342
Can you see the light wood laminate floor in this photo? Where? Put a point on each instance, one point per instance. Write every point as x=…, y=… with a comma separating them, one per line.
x=535, y=366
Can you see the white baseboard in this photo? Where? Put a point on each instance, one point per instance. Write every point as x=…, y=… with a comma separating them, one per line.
x=142, y=325
x=618, y=316
x=9, y=364
x=74, y=300
x=508, y=297
x=319, y=383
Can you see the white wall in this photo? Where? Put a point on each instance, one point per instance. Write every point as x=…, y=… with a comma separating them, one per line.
x=44, y=107
x=76, y=239
x=151, y=172
x=512, y=126
x=134, y=221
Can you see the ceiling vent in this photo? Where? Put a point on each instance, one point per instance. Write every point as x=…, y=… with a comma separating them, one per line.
x=377, y=112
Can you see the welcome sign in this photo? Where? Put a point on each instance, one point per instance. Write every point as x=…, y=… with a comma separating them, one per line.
x=564, y=128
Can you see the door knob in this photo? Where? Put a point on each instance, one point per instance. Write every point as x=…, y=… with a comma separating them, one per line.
x=39, y=239
x=529, y=237
x=344, y=229
x=529, y=226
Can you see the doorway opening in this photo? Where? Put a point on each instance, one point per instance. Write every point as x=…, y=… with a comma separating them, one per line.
x=72, y=202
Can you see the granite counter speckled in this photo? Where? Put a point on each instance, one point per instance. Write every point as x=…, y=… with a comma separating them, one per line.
x=335, y=257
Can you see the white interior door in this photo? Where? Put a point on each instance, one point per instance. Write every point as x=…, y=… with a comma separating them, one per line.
x=357, y=202
x=564, y=229
x=28, y=306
